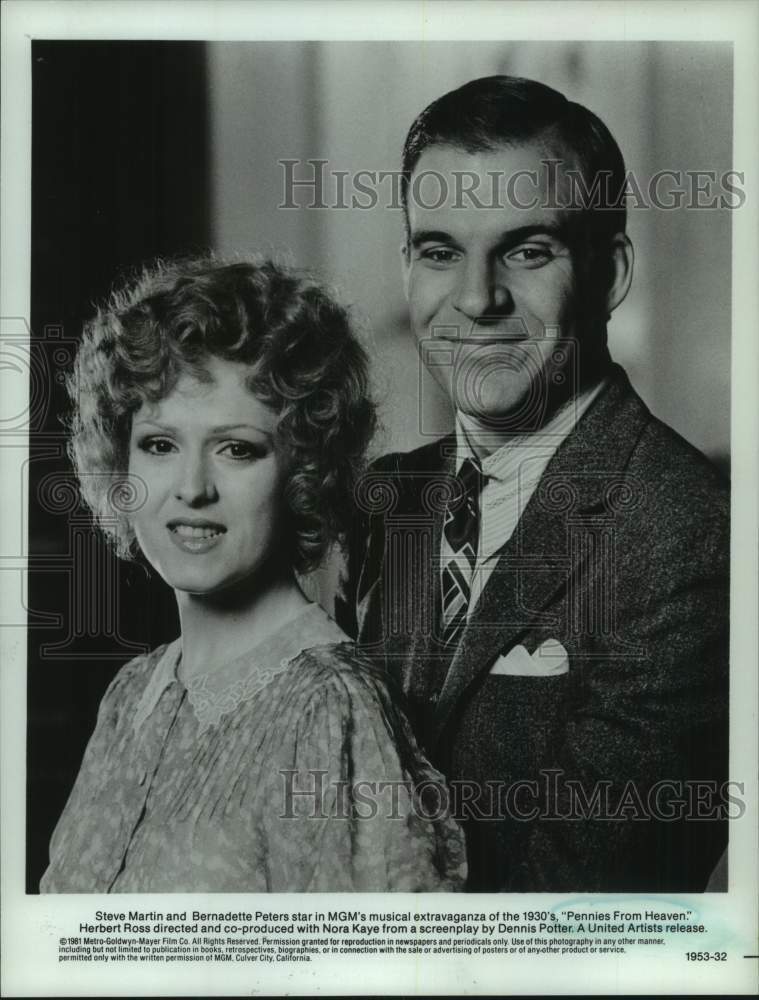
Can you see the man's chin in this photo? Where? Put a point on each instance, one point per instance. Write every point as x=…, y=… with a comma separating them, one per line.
x=498, y=427
x=511, y=409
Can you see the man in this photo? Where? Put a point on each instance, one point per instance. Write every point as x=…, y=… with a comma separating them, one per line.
x=549, y=583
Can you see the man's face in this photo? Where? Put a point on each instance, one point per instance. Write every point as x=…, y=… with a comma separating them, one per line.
x=493, y=292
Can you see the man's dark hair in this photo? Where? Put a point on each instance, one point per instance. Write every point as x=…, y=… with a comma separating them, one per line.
x=508, y=110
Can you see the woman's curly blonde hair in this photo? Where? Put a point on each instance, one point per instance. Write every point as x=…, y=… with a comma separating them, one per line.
x=305, y=362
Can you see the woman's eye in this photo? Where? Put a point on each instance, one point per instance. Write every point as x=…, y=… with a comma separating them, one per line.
x=243, y=451
x=157, y=446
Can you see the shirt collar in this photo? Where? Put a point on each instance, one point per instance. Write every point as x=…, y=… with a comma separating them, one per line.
x=220, y=690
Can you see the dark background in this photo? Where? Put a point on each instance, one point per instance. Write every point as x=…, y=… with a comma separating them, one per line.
x=119, y=176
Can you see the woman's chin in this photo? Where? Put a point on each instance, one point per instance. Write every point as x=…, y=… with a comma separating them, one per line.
x=232, y=592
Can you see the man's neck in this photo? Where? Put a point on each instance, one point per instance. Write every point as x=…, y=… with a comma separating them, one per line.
x=484, y=439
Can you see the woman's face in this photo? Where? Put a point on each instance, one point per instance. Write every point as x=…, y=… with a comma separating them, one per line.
x=213, y=479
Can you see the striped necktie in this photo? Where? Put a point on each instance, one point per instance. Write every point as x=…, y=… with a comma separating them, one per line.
x=461, y=526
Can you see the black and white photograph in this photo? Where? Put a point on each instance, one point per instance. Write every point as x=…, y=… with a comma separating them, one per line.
x=381, y=500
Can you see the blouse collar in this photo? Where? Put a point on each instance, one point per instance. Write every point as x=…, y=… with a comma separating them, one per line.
x=219, y=691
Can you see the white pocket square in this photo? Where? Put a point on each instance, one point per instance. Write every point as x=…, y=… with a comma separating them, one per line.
x=548, y=660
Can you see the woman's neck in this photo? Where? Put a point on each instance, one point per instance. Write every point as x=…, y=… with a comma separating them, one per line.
x=218, y=628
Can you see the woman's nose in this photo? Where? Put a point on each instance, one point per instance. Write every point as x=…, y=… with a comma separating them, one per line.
x=195, y=483
x=482, y=291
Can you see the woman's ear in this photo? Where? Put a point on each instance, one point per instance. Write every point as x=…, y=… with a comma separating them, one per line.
x=620, y=271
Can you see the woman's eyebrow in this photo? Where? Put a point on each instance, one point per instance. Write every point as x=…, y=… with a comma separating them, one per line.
x=243, y=426
x=149, y=422
x=219, y=429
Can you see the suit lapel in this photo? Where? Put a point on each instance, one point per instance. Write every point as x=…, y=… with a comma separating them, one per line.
x=538, y=560
x=435, y=481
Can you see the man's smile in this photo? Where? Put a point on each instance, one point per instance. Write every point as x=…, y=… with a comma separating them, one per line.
x=490, y=338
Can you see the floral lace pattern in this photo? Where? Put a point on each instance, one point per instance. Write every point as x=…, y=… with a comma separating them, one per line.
x=219, y=692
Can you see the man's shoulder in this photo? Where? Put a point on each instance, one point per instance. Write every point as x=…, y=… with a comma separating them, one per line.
x=427, y=459
x=400, y=481
x=670, y=466
x=677, y=465
x=678, y=501
x=669, y=504
x=685, y=502
x=620, y=432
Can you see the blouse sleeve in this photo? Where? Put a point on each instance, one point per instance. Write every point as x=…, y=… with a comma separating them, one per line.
x=93, y=828
x=355, y=806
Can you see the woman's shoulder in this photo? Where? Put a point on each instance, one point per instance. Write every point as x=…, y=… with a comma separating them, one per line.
x=339, y=667
x=140, y=667
x=134, y=678
x=338, y=687
x=317, y=656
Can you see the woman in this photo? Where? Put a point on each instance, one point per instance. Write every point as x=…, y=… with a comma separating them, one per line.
x=249, y=754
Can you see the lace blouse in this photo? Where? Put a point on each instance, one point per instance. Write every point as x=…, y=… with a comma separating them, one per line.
x=288, y=769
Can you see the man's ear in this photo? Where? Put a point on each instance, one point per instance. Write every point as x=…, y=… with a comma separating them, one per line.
x=620, y=271
x=405, y=266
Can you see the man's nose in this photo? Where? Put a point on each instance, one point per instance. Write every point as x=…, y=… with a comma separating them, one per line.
x=195, y=484
x=482, y=290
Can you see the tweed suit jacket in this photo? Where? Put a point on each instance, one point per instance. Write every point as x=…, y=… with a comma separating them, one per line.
x=587, y=778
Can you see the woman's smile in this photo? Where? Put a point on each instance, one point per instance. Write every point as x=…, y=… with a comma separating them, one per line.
x=196, y=536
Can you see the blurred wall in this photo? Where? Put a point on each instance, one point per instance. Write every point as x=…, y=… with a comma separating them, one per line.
x=668, y=105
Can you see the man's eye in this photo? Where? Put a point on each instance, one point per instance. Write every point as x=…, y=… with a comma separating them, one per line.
x=530, y=255
x=243, y=451
x=157, y=445
x=439, y=255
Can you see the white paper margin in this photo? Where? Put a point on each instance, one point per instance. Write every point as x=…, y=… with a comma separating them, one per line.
x=32, y=924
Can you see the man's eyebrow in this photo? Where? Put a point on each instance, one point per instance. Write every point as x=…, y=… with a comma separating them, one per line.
x=556, y=230
x=420, y=236
x=509, y=238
